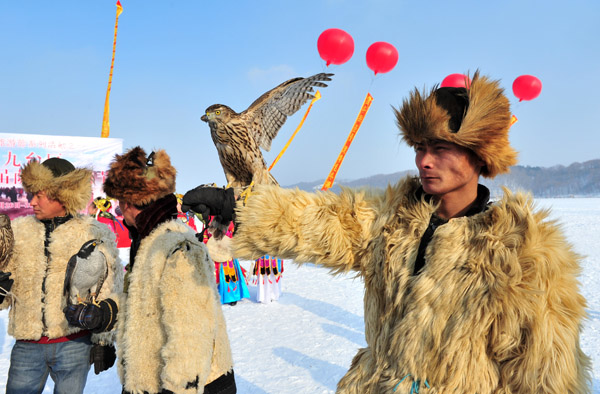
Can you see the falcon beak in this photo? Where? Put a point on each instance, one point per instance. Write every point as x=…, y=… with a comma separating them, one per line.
x=204, y=118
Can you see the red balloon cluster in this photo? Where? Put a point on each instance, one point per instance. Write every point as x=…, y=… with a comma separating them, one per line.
x=456, y=81
x=382, y=57
x=527, y=87
x=335, y=46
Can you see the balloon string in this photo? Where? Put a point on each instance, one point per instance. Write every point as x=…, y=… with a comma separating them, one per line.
x=314, y=100
x=361, y=116
x=372, y=81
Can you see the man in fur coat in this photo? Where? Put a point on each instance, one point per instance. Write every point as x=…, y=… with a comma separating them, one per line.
x=461, y=295
x=171, y=336
x=44, y=243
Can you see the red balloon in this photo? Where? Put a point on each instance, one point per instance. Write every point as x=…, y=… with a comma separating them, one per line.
x=335, y=46
x=527, y=87
x=456, y=81
x=381, y=57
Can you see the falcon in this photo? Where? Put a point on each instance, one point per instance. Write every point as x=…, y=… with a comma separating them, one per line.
x=86, y=272
x=7, y=240
x=238, y=137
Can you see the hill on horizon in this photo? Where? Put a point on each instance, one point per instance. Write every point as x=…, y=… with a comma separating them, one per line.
x=574, y=180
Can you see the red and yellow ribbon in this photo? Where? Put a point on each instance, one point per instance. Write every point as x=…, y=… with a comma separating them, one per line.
x=513, y=120
x=314, y=100
x=361, y=116
x=105, y=123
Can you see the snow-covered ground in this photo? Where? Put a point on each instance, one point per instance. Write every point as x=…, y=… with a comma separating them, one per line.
x=304, y=343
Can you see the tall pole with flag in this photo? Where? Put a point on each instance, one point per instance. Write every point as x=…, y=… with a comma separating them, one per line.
x=105, y=122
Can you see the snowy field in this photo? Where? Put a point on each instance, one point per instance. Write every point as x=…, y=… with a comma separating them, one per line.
x=304, y=343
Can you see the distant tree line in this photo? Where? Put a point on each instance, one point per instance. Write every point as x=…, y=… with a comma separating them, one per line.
x=575, y=180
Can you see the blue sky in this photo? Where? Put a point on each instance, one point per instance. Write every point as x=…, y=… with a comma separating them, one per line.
x=175, y=58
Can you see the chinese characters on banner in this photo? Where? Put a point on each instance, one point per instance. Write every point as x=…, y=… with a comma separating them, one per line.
x=16, y=150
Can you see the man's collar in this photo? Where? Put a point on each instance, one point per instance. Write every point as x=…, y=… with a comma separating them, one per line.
x=479, y=205
x=156, y=213
x=481, y=202
x=57, y=220
x=54, y=222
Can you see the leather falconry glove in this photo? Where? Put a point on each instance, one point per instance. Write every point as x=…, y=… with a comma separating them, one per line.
x=103, y=357
x=96, y=318
x=5, y=284
x=211, y=201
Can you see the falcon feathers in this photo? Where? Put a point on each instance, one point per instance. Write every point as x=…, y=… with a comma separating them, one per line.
x=86, y=272
x=238, y=137
x=7, y=240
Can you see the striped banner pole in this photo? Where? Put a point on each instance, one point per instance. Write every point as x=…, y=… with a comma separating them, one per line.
x=105, y=123
x=361, y=116
x=314, y=100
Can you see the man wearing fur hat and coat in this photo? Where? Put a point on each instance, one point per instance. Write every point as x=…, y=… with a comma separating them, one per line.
x=46, y=342
x=461, y=295
x=171, y=336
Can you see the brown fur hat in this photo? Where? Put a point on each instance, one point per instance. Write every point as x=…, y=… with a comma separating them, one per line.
x=482, y=126
x=139, y=179
x=61, y=181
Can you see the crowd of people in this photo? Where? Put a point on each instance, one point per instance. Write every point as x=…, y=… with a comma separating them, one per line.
x=462, y=294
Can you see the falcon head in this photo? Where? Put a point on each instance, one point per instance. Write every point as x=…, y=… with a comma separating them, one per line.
x=217, y=114
x=87, y=248
x=4, y=221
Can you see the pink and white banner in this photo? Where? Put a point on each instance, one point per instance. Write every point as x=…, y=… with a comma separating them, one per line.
x=16, y=150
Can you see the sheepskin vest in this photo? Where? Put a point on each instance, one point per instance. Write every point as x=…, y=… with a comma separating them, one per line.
x=171, y=329
x=495, y=309
x=36, y=309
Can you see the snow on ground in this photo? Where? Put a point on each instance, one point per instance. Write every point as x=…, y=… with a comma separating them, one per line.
x=304, y=343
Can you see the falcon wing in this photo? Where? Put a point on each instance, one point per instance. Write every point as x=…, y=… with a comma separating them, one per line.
x=102, y=278
x=69, y=276
x=269, y=112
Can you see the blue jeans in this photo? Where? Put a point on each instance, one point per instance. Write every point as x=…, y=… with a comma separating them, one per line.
x=67, y=363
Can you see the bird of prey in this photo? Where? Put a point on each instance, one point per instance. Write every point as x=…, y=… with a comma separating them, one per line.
x=7, y=240
x=238, y=137
x=86, y=272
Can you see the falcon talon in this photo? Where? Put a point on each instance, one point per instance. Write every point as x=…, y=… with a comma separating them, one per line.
x=95, y=301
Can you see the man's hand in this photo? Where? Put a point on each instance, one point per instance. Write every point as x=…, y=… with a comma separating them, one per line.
x=103, y=357
x=211, y=201
x=96, y=318
x=5, y=284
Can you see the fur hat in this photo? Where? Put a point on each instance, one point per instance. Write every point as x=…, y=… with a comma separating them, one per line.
x=477, y=118
x=61, y=181
x=139, y=179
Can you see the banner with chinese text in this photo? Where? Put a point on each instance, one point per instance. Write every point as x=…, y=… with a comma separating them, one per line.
x=16, y=150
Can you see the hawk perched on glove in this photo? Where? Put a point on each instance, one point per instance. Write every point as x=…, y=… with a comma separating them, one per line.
x=86, y=272
x=238, y=137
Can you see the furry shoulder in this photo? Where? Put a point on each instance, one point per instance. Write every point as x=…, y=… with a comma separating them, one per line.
x=169, y=237
x=542, y=248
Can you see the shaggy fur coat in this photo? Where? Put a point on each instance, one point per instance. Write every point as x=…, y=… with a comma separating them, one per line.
x=171, y=331
x=496, y=309
x=34, y=312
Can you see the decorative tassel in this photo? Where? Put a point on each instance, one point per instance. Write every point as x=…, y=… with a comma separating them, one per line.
x=415, y=385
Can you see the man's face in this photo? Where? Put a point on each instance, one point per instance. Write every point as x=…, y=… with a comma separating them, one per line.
x=445, y=167
x=128, y=213
x=45, y=208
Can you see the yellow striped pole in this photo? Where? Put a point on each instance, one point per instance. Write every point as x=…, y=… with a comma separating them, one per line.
x=105, y=122
x=314, y=100
x=359, y=119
